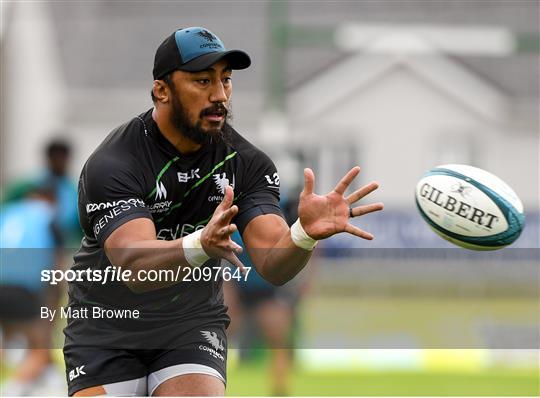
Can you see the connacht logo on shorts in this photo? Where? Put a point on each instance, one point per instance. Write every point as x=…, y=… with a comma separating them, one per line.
x=213, y=339
x=222, y=182
x=161, y=192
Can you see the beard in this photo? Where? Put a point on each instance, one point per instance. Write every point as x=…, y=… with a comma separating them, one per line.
x=195, y=132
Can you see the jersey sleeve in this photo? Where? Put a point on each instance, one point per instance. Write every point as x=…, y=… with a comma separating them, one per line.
x=109, y=196
x=260, y=192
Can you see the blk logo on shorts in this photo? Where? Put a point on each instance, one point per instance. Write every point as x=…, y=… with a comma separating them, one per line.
x=78, y=371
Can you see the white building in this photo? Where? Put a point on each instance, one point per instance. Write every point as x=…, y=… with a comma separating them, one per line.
x=401, y=114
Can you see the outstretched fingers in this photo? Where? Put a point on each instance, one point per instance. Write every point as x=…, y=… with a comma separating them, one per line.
x=309, y=181
x=358, y=232
x=227, y=216
x=365, y=209
x=234, y=247
x=364, y=191
x=228, y=230
x=231, y=258
x=344, y=183
x=226, y=207
x=228, y=198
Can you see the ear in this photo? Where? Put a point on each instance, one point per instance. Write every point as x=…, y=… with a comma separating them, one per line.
x=161, y=91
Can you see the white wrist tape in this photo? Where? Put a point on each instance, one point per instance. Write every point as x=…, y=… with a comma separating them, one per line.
x=193, y=250
x=301, y=238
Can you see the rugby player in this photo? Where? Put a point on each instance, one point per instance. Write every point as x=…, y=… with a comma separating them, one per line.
x=165, y=191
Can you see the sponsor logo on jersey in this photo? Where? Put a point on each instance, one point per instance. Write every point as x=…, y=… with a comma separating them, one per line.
x=161, y=192
x=179, y=231
x=190, y=175
x=119, y=208
x=78, y=371
x=160, y=207
x=91, y=207
x=215, y=342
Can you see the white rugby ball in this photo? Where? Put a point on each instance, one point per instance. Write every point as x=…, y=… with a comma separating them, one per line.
x=470, y=207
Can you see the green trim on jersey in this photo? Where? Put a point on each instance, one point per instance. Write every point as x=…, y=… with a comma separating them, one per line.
x=163, y=170
x=217, y=166
x=197, y=184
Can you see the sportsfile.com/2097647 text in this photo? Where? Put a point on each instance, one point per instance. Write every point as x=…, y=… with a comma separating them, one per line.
x=117, y=274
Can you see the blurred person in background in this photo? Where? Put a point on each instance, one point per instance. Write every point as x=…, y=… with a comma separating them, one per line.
x=57, y=156
x=30, y=241
x=271, y=309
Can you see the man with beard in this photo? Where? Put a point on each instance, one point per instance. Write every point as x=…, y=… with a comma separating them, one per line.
x=164, y=193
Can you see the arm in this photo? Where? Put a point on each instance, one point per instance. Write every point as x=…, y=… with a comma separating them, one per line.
x=269, y=241
x=134, y=246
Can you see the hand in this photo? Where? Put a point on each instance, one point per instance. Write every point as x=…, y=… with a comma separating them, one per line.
x=216, y=236
x=324, y=216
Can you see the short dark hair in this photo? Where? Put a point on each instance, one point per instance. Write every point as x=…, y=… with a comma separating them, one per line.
x=168, y=81
x=57, y=146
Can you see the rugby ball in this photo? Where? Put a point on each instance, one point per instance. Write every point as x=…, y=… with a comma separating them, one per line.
x=470, y=207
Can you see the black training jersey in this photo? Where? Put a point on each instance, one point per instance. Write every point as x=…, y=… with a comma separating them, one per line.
x=136, y=173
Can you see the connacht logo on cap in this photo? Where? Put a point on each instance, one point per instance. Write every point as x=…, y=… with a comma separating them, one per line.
x=194, y=42
x=192, y=50
x=207, y=35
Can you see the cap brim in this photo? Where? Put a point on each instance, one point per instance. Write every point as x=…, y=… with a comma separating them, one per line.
x=237, y=60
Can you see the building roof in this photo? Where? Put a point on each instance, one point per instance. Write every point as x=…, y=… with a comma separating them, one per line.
x=106, y=44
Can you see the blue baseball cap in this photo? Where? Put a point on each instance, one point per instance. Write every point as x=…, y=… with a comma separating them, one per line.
x=194, y=49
